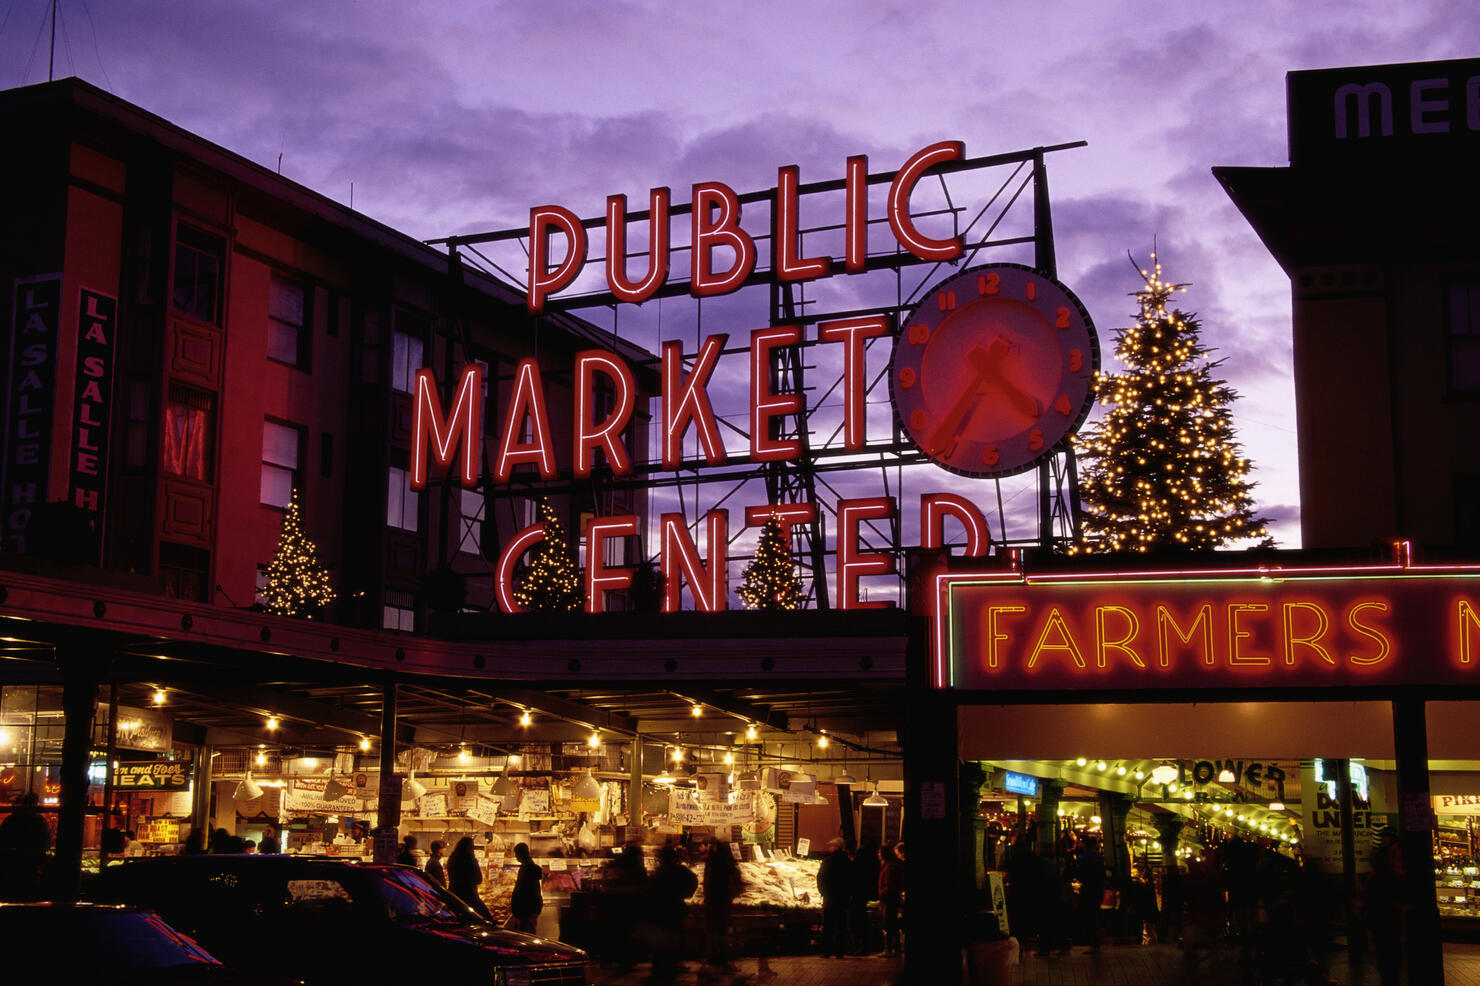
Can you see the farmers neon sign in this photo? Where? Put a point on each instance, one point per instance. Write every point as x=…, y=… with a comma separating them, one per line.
x=1373, y=624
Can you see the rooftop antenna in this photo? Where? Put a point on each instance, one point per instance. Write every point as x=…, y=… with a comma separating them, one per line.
x=52, y=57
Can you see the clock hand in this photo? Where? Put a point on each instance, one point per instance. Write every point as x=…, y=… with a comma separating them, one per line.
x=945, y=434
x=988, y=366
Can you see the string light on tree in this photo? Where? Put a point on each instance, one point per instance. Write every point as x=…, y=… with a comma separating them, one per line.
x=552, y=583
x=1163, y=469
x=297, y=582
x=771, y=580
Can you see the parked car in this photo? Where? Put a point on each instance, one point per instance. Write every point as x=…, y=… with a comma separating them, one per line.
x=77, y=943
x=330, y=921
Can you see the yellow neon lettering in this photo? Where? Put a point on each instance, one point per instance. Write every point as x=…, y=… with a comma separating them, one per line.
x=994, y=635
x=1104, y=644
x=1055, y=623
x=1323, y=623
x=1468, y=617
x=1384, y=645
x=1164, y=620
x=1237, y=633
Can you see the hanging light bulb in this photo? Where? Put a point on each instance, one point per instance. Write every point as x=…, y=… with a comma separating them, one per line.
x=1165, y=772
x=463, y=756
x=729, y=758
x=261, y=759
x=524, y=719
x=1276, y=806
x=594, y=740
x=272, y=722
x=822, y=741
x=876, y=800
x=696, y=711
x=1225, y=776
x=750, y=731
x=159, y=696
x=678, y=754
x=364, y=744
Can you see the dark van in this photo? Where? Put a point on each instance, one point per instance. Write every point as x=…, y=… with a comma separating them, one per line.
x=330, y=921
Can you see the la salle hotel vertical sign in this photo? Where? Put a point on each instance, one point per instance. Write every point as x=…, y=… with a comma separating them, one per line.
x=87, y=470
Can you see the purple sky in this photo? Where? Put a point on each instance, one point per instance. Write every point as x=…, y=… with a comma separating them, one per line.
x=459, y=117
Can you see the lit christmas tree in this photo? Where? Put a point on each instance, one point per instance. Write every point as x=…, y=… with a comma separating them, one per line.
x=1163, y=469
x=771, y=581
x=552, y=583
x=297, y=582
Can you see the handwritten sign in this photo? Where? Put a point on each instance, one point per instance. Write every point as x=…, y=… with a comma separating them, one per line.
x=484, y=809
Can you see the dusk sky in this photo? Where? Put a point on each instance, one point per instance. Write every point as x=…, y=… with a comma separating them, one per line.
x=454, y=117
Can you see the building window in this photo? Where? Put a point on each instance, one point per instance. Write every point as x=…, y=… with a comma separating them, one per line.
x=401, y=501
x=281, y=445
x=199, y=260
x=405, y=360
x=136, y=429
x=399, y=612
x=186, y=571
x=288, y=323
x=190, y=433
x=1464, y=335
x=470, y=507
x=259, y=587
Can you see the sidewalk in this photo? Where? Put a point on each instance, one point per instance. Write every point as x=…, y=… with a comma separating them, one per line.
x=1153, y=965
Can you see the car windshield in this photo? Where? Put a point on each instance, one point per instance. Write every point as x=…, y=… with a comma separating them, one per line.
x=409, y=896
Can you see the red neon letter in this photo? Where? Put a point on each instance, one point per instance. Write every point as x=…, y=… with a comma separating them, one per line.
x=855, y=215
x=764, y=403
x=687, y=400
x=1056, y=624
x=851, y=562
x=1165, y=621
x=936, y=507
x=528, y=402
x=542, y=280
x=788, y=515
x=787, y=244
x=681, y=560
x=608, y=433
x=1312, y=639
x=1466, y=617
x=1103, y=643
x=710, y=232
x=1384, y=645
x=599, y=579
x=852, y=333
x=899, y=202
x=994, y=634
x=463, y=431
x=507, y=558
x=636, y=292
x=1237, y=633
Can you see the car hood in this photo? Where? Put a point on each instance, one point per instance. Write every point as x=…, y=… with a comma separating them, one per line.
x=512, y=947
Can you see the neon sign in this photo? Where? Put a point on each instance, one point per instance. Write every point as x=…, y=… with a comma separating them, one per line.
x=1311, y=626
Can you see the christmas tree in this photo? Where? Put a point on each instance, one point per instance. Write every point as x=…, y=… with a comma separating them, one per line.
x=1163, y=466
x=552, y=583
x=771, y=581
x=297, y=582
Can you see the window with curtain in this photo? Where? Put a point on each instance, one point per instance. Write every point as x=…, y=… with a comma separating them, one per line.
x=189, y=433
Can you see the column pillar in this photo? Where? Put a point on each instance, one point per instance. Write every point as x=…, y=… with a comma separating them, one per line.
x=1114, y=808
x=1050, y=793
x=1168, y=828
x=80, y=677
x=385, y=837
x=1411, y=740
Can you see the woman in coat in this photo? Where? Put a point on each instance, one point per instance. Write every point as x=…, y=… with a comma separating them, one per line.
x=464, y=874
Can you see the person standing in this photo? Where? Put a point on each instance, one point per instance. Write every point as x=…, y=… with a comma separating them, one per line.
x=1089, y=870
x=722, y=884
x=270, y=845
x=464, y=875
x=891, y=896
x=624, y=883
x=669, y=889
x=835, y=884
x=435, y=870
x=407, y=856
x=527, y=901
x=24, y=839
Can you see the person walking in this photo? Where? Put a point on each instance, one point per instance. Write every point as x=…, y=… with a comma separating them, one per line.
x=669, y=888
x=435, y=869
x=891, y=896
x=835, y=883
x=865, y=888
x=464, y=875
x=527, y=901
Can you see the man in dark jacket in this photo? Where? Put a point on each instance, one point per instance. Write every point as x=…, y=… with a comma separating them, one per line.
x=668, y=890
x=865, y=888
x=527, y=901
x=835, y=884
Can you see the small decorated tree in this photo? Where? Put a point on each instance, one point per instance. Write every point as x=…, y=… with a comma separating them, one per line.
x=552, y=583
x=1163, y=468
x=297, y=582
x=771, y=580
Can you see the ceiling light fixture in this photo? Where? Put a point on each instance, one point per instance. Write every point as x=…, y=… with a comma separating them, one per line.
x=364, y=744
x=1165, y=772
x=524, y=718
x=272, y=722
x=1226, y=776
x=159, y=696
x=248, y=789
x=696, y=711
x=876, y=800
x=750, y=731
x=1276, y=806
x=594, y=740
x=414, y=787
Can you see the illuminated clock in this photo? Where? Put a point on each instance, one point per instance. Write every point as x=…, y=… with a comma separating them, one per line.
x=993, y=370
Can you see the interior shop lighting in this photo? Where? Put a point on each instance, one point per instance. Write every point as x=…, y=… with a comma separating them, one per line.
x=1165, y=773
x=696, y=711
x=272, y=722
x=664, y=777
x=261, y=759
x=843, y=778
x=1120, y=770
x=1140, y=775
x=1094, y=819
x=876, y=800
x=594, y=740
x=729, y=758
x=248, y=789
x=1276, y=806
x=587, y=788
x=333, y=790
x=1081, y=762
x=1225, y=776
x=524, y=718
x=822, y=741
x=750, y=731
x=503, y=787
x=364, y=744
x=463, y=756
x=1099, y=765
x=1171, y=788
x=159, y=696
x=414, y=787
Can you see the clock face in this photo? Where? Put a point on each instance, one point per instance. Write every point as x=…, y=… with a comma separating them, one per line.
x=993, y=370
